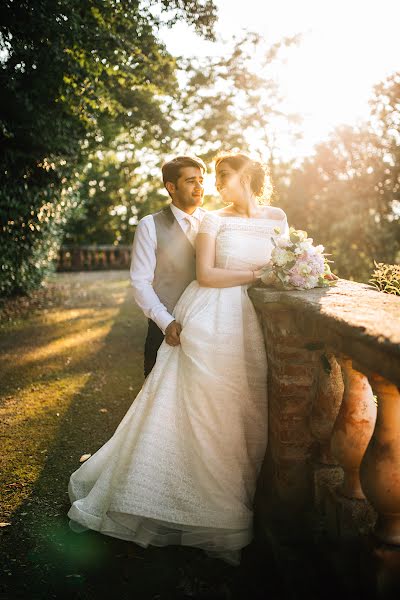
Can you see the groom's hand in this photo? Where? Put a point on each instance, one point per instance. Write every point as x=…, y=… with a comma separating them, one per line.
x=172, y=333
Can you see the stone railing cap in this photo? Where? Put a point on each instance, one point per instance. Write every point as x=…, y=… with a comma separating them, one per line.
x=369, y=320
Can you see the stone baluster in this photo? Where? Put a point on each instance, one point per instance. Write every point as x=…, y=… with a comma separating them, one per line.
x=353, y=427
x=127, y=257
x=68, y=261
x=380, y=468
x=103, y=259
x=60, y=260
x=75, y=259
x=111, y=258
x=326, y=405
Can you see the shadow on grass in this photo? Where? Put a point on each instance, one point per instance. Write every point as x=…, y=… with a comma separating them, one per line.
x=93, y=386
x=42, y=557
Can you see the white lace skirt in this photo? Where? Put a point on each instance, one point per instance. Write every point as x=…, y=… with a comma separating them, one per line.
x=182, y=466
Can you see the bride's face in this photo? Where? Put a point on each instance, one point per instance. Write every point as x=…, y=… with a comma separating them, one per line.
x=228, y=183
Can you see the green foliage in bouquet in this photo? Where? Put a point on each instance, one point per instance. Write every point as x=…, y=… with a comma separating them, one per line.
x=386, y=278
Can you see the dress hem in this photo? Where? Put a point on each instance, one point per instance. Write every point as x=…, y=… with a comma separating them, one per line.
x=216, y=542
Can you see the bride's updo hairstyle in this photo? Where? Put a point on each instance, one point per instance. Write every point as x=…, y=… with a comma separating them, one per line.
x=260, y=181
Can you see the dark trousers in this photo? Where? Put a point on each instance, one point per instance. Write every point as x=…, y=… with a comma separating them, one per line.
x=154, y=340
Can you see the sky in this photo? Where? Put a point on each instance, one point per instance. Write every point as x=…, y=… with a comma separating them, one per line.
x=347, y=47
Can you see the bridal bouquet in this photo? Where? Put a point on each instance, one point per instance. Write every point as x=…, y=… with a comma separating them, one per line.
x=296, y=263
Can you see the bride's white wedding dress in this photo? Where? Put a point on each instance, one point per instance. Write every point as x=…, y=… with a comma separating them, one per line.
x=182, y=466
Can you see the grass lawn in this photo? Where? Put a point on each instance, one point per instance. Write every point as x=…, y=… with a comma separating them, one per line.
x=71, y=365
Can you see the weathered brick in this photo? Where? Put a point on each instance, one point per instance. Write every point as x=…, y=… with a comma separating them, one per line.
x=303, y=373
x=289, y=352
x=287, y=387
x=295, y=341
x=295, y=451
x=279, y=405
x=295, y=430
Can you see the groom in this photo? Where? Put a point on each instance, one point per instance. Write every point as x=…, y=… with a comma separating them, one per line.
x=163, y=254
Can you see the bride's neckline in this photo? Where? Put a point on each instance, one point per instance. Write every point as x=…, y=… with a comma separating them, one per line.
x=264, y=218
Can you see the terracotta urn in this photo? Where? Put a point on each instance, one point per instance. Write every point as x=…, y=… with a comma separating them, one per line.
x=353, y=427
x=380, y=467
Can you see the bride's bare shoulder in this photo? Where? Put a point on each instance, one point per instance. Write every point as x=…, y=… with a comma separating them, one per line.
x=274, y=212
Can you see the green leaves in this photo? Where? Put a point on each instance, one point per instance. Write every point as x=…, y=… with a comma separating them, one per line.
x=77, y=76
x=230, y=103
x=297, y=235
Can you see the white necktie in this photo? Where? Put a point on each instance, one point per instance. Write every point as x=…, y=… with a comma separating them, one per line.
x=191, y=230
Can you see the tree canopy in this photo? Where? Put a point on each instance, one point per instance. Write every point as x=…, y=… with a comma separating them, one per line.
x=75, y=75
x=92, y=102
x=347, y=195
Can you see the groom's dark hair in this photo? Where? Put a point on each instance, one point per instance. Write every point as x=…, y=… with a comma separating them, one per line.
x=171, y=170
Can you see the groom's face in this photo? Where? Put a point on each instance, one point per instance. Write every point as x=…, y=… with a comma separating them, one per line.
x=188, y=190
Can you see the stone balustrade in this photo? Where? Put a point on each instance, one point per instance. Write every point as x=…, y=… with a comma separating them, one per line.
x=333, y=454
x=95, y=257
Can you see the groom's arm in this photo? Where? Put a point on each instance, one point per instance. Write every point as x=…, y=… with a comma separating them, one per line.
x=143, y=265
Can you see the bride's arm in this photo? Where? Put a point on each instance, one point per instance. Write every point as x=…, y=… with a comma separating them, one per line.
x=208, y=275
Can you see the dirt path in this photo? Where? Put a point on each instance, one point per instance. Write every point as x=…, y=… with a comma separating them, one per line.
x=71, y=365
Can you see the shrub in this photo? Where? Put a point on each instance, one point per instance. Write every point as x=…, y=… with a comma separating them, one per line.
x=32, y=223
x=386, y=278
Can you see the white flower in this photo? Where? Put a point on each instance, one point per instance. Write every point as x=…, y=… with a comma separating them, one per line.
x=281, y=257
x=283, y=242
x=311, y=282
x=303, y=268
x=305, y=246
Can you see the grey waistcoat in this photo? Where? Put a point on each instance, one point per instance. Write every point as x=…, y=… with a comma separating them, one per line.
x=176, y=260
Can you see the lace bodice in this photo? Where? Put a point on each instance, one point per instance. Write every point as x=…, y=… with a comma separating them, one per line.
x=243, y=243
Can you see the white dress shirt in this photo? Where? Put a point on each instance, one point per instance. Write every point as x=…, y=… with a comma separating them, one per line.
x=143, y=263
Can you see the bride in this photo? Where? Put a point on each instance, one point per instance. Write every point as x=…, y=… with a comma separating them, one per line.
x=182, y=465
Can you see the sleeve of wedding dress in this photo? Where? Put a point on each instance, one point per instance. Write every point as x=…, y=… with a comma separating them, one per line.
x=281, y=220
x=284, y=226
x=209, y=224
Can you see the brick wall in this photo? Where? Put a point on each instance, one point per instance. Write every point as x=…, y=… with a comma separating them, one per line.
x=304, y=394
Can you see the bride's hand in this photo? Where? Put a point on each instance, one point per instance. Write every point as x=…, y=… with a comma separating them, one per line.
x=262, y=272
x=269, y=278
x=257, y=275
